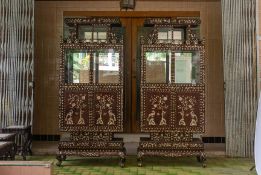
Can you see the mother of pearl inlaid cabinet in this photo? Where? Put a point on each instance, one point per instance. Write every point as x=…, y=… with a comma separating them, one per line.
x=91, y=88
x=170, y=88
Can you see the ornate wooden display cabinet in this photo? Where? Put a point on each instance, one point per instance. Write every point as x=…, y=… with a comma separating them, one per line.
x=172, y=89
x=91, y=88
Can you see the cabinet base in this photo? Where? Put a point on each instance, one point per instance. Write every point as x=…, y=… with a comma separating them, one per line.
x=91, y=149
x=172, y=149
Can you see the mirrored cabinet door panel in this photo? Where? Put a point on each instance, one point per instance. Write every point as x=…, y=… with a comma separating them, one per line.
x=77, y=66
x=165, y=35
x=158, y=67
x=85, y=32
x=92, y=34
x=169, y=35
x=187, y=67
x=106, y=66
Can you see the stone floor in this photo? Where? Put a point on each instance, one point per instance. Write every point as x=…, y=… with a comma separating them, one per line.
x=217, y=163
x=152, y=166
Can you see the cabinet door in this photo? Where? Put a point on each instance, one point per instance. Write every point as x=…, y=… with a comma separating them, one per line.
x=91, y=80
x=172, y=88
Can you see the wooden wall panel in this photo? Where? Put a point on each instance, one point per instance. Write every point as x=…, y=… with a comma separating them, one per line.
x=48, y=29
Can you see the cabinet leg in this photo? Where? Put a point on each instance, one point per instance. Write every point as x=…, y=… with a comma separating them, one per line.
x=198, y=158
x=139, y=159
x=63, y=157
x=60, y=158
x=122, y=158
x=203, y=159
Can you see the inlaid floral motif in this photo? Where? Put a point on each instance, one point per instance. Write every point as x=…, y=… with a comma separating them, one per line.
x=76, y=104
x=158, y=104
x=69, y=117
x=186, y=109
x=104, y=106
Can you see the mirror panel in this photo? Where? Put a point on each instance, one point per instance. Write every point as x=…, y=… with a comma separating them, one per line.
x=187, y=67
x=77, y=67
x=158, y=67
x=106, y=66
x=169, y=35
x=92, y=34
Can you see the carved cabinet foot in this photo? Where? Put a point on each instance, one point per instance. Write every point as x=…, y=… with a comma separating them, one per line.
x=63, y=157
x=201, y=159
x=122, y=158
x=60, y=158
x=122, y=162
x=139, y=159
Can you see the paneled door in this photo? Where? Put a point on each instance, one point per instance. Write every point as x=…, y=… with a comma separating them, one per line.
x=132, y=73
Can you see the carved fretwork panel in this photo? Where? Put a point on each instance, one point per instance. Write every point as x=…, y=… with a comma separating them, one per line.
x=156, y=110
x=107, y=110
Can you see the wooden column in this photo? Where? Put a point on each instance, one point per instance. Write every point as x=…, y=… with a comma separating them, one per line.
x=240, y=75
x=16, y=62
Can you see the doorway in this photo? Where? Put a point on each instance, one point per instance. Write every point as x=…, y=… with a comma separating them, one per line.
x=132, y=73
x=133, y=28
x=47, y=53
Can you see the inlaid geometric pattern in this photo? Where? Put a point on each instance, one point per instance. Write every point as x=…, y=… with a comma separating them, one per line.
x=153, y=166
